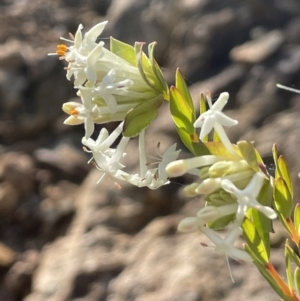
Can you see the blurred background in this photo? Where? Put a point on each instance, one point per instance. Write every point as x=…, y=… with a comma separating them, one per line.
x=62, y=237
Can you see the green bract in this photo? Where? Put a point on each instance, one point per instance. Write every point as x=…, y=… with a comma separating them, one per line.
x=139, y=117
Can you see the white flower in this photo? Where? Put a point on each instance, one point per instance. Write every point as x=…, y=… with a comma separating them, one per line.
x=83, y=55
x=155, y=177
x=170, y=155
x=108, y=87
x=226, y=245
x=86, y=113
x=214, y=118
x=106, y=158
x=247, y=198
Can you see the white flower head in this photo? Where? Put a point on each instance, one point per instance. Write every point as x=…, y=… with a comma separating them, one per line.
x=107, y=158
x=83, y=54
x=155, y=177
x=226, y=245
x=214, y=117
x=86, y=113
x=247, y=198
x=108, y=88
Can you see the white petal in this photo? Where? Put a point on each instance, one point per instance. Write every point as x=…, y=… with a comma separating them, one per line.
x=221, y=102
x=200, y=120
x=267, y=211
x=228, y=186
x=95, y=31
x=225, y=120
x=72, y=120
x=207, y=127
x=255, y=185
x=238, y=254
x=78, y=37
x=89, y=127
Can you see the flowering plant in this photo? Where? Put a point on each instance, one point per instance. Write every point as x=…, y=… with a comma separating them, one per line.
x=124, y=84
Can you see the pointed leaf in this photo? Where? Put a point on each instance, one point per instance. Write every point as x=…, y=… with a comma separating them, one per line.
x=263, y=226
x=222, y=222
x=183, y=89
x=157, y=72
x=255, y=242
x=182, y=113
x=218, y=149
x=141, y=116
x=275, y=152
x=297, y=280
x=185, y=138
x=249, y=154
x=145, y=68
x=291, y=253
x=288, y=269
x=282, y=198
x=284, y=173
x=123, y=51
x=297, y=218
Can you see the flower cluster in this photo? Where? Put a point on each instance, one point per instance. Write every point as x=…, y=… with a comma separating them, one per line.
x=121, y=84
x=230, y=182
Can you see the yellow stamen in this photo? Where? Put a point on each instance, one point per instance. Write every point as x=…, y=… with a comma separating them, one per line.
x=61, y=49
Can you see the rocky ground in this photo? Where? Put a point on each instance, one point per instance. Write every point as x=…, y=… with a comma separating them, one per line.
x=62, y=237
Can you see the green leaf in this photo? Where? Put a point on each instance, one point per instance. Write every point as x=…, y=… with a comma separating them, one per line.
x=291, y=253
x=203, y=102
x=199, y=148
x=275, y=153
x=157, y=72
x=284, y=173
x=145, y=68
x=297, y=218
x=181, y=111
x=183, y=89
x=123, y=51
x=222, y=222
x=282, y=198
x=218, y=149
x=141, y=116
x=288, y=268
x=255, y=242
x=249, y=154
x=297, y=279
x=263, y=227
x=196, y=148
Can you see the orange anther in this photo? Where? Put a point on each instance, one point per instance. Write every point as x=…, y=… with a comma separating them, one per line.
x=61, y=49
x=74, y=112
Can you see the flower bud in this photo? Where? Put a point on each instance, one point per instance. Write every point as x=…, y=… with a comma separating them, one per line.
x=208, y=186
x=221, y=169
x=188, y=224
